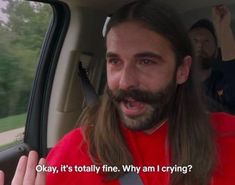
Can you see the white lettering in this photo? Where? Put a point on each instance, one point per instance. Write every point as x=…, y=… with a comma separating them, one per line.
x=131, y=168
x=43, y=168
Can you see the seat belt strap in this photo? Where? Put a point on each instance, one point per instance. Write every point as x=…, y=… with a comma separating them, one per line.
x=91, y=98
x=130, y=179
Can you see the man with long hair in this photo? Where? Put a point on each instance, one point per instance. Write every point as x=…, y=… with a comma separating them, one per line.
x=214, y=46
x=151, y=114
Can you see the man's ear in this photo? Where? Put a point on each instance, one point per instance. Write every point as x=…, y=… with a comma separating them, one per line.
x=183, y=70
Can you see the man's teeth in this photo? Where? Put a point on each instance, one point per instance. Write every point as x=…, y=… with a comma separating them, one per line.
x=129, y=104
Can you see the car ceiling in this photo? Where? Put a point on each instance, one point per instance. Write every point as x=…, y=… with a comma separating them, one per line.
x=190, y=9
x=182, y=5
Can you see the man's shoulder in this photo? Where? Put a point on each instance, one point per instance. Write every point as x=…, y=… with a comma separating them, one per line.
x=69, y=148
x=71, y=138
x=223, y=119
x=223, y=122
x=226, y=68
x=224, y=125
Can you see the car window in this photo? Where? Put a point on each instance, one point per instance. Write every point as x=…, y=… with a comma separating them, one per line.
x=23, y=26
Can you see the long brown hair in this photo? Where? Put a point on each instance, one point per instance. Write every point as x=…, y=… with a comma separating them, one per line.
x=191, y=139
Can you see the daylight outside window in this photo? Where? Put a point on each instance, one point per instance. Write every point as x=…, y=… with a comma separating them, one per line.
x=23, y=26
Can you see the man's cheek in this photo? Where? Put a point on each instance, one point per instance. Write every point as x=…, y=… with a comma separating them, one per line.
x=113, y=82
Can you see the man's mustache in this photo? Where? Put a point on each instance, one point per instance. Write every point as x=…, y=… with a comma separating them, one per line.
x=136, y=94
x=202, y=54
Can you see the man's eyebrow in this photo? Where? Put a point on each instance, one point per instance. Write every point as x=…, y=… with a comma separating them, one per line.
x=148, y=54
x=138, y=55
x=111, y=54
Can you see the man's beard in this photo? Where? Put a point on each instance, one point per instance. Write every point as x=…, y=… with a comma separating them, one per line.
x=157, y=105
x=205, y=63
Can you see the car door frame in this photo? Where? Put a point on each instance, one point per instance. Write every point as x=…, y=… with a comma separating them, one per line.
x=35, y=135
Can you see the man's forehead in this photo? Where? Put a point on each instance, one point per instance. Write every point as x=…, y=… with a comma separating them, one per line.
x=200, y=33
x=133, y=30
x=135, y=39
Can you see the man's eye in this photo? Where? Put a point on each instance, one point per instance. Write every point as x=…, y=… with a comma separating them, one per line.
x=113, y=61
x=146, y=61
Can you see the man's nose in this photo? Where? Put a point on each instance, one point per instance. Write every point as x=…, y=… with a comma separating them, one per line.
x=128, y=78
x=198, y=46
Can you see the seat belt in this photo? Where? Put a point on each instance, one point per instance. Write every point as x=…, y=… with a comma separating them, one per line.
x=130, y=179
x=91, y=98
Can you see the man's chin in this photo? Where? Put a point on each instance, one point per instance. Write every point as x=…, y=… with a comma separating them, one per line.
x=139, y=122
x=137, y=125
x=205, y=63
x=134, y=125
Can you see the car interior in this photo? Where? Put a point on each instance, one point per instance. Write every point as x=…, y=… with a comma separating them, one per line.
x=75, y=36
x=86, y=29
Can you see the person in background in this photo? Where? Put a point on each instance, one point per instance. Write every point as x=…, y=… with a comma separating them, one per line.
x=214, y=46
x=151, y=113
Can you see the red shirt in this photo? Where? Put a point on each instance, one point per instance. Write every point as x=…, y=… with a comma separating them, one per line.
x=146, y=149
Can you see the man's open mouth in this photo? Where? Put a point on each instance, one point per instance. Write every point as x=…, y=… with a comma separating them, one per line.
x=131, y=107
